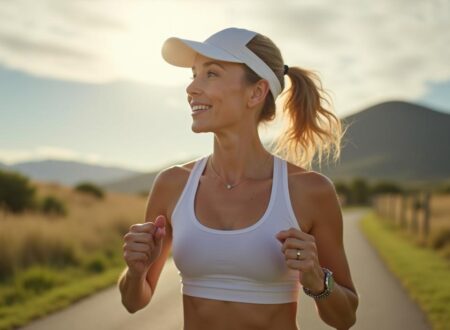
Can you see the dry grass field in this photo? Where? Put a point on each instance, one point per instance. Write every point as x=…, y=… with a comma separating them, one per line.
x=91, y=225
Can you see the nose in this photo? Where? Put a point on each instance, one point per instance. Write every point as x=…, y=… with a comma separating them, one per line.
x=193, y=88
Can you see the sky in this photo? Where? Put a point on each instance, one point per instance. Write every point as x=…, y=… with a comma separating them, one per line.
x=85, y=80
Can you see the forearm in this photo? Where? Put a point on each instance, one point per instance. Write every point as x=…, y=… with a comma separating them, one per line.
x=339, y=308
x=135, y=291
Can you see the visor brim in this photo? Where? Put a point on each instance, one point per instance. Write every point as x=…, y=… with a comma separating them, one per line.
x=182, y=52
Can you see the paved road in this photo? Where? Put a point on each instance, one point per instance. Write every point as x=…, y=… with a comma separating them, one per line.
x=383, y=303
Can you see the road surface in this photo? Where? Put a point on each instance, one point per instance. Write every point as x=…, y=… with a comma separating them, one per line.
x=384, y=305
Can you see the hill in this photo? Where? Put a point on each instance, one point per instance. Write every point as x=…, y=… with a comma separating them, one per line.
x=70, y=172
x=397, y=141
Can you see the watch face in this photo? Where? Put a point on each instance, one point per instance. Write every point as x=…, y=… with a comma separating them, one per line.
x=329, y=281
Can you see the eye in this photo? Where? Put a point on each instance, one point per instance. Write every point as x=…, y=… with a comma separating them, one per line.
x=192, y=77
x=211, y=74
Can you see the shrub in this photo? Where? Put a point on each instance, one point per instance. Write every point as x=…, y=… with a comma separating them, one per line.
x=97, y=263
x=16, y=193
x=360, y=192
x=89, y=188
x=383, y=187
x=441, y=238
x=38, y=279
x=39, y=248
x=54, y=206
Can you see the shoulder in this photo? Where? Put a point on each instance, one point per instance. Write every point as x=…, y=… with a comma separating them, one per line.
x=313, y=196
x=173, y=176
x=312, y=184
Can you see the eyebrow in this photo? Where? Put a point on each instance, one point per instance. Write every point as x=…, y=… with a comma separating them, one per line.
x=210, y=63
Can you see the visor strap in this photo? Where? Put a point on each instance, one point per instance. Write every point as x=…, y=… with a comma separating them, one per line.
x=260, y=68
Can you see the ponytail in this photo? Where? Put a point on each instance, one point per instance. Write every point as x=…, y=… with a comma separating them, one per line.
x=312, y=130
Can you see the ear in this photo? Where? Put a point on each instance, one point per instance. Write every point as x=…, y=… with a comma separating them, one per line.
x=258, y=93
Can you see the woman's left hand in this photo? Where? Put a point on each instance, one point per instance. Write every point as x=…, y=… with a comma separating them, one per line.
x=311, y=273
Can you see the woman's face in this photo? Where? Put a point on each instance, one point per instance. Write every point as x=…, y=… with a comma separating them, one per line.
x=217, y=95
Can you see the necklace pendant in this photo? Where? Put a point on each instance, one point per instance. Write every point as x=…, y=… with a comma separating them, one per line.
x=229, y=186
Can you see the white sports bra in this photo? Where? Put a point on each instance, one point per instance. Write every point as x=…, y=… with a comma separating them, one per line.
x=243, y=265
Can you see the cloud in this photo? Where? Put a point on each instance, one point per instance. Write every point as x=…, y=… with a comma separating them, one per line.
x=364, y=51
x=11, y=156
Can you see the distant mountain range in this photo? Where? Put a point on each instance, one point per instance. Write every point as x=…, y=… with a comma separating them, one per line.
x=69, y=172
x=397, y=141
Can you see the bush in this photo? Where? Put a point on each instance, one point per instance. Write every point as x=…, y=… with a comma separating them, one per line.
x=16, y=193
x=360, y=192
x=96, y=264
x=383, y=187
x=440, y=239
x=89, y=188
x=38, y=279
x=54, y=206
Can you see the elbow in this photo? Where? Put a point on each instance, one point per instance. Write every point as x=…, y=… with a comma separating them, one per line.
x=130, y=308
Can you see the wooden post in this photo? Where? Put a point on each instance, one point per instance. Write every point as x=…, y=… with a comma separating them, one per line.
x=426, y=219
x=415, y=210
x=403, y=205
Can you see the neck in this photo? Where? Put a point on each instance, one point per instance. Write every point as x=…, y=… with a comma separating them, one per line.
x=237, y=157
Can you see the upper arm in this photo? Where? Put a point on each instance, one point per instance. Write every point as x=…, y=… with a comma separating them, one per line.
x=159, y=198
x=325, y=215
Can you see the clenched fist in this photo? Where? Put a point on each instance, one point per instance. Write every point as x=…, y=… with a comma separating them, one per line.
x=142, y=245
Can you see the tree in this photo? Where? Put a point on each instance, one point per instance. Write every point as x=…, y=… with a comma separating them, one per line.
x=16, y=193
x=90, y=188
x=383, y=187
x=360, y=191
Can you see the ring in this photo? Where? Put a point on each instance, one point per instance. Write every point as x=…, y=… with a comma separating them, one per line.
x=298, y=254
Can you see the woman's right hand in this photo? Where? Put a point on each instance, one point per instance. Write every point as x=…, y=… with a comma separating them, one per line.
x=142, y=245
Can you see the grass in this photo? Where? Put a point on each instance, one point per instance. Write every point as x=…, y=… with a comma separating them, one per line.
x=423, y=272
x=57, y=298
x=47, y=263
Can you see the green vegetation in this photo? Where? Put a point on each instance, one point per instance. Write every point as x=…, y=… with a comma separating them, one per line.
x=50, y=259
x=90, y=188
x=21, y=302
x=422, y=271
x=16, y=193
x=53, y=206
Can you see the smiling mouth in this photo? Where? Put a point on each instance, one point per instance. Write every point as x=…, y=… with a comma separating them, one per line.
x=200, y=108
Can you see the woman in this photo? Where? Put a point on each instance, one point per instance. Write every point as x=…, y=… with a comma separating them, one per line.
x=247, y=228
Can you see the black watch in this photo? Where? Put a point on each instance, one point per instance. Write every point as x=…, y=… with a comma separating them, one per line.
x=329, y=283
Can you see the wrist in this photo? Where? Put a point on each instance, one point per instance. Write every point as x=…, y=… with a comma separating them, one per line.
x=326, y=287
x=133, y=276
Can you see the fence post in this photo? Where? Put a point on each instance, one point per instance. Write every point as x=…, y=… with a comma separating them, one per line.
x=414, y=224
x=426, y=220
x=403, y=210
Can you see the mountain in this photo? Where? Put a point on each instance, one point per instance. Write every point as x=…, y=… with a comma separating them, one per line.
x=70, y=172
x=397, y=141
x=140, y=183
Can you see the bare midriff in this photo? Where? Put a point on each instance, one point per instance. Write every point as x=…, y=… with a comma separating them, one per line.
x=206, y=314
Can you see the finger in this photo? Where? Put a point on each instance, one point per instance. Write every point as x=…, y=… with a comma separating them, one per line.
x=301, y=265
x=160, y=221
x=293, y=243
x=147, y=227
x=294, y=233
x=292, y=254
x=160, y=233
x=135, y=256
x=138, y=237
x=139, y=247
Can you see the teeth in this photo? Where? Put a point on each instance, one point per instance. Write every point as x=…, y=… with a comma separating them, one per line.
x=200, y=107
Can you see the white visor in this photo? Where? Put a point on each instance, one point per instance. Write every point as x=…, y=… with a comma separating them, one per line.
x=227, y=45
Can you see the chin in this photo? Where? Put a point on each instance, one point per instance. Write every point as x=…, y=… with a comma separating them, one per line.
x=200, y=129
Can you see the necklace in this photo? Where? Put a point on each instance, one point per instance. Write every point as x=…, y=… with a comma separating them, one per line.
x=227, y=185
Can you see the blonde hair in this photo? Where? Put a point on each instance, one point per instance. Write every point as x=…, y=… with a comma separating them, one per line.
x=312, y=129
